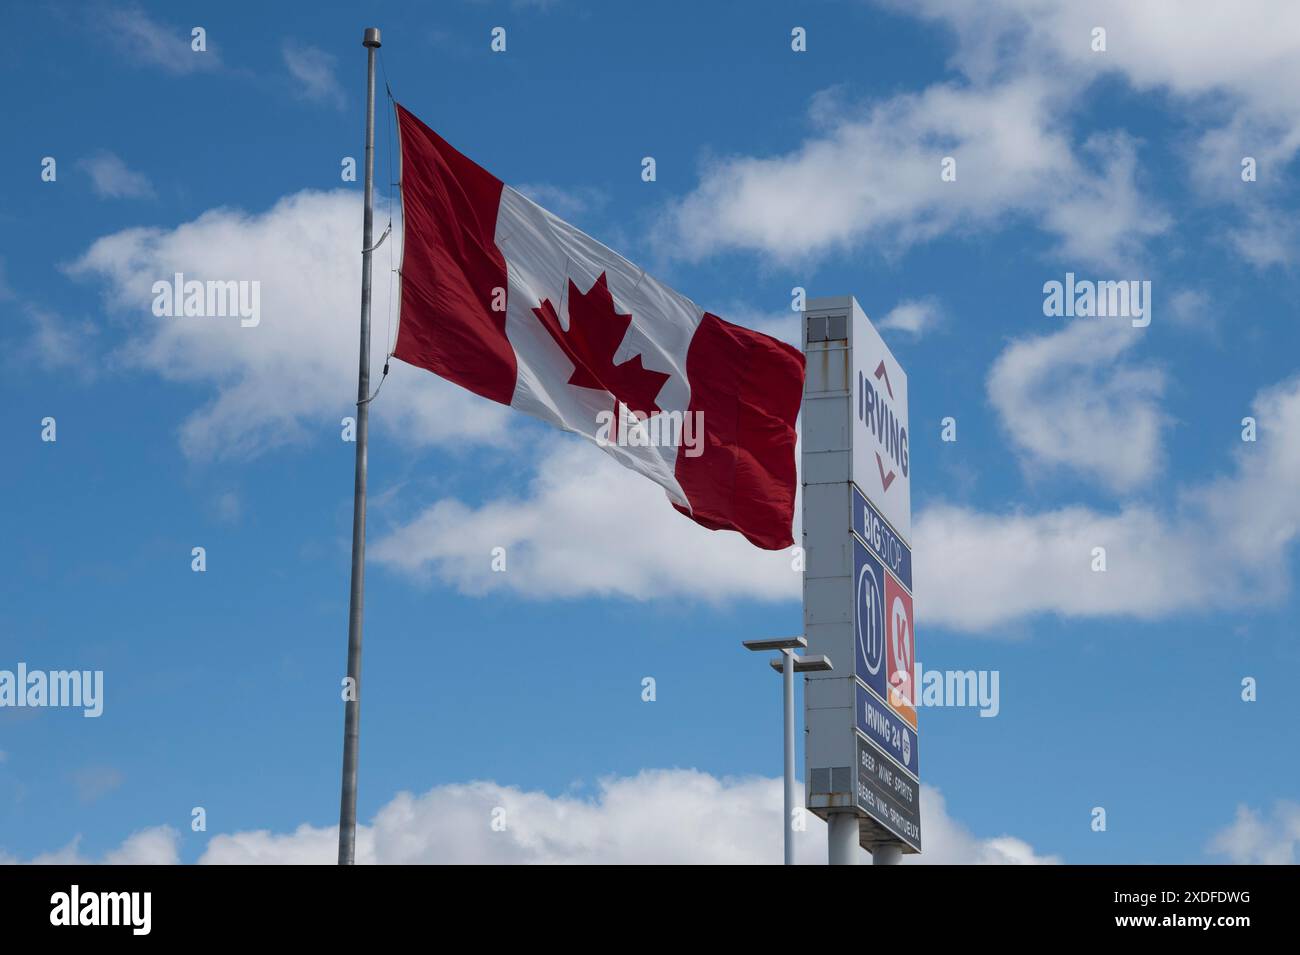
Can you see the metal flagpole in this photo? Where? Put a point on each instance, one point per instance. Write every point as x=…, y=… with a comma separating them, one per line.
x=352, y=703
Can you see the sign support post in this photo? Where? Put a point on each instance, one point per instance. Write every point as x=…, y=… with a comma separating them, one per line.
x=887, y=853
x=842, y=838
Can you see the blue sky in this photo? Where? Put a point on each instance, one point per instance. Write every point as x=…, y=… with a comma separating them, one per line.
x=775, y=169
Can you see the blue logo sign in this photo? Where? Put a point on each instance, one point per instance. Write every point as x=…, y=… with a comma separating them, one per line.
x=869, y=618
x=881, y=539
x=879, y=723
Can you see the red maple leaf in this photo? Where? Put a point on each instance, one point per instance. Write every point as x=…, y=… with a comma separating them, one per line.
x=596, y=329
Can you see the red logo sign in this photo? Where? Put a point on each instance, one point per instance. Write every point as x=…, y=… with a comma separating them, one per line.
x=900, y=649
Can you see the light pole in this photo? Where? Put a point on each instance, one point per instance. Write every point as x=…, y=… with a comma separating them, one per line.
x=787, y=665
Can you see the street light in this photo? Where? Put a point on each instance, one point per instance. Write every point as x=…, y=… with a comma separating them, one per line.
x=787, y=664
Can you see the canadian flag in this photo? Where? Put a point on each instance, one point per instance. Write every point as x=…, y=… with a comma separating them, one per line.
x=513, y=303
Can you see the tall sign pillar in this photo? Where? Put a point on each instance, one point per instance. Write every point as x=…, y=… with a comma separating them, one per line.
x=862, y=754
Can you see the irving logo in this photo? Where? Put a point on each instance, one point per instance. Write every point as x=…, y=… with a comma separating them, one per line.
x=890, y=432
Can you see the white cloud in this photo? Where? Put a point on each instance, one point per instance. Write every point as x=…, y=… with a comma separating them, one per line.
x=584, y=524
x=314, y=70
x=294, y=374
x=159, y=845
x=156, y=846
x=142, y=39
x=306, y=845
x=1104, y=218
x=1265, y=239
x=656, y=817
x=872, y=175
x=978, y=570
x=1261, y=839
x=59, y=344
x=1189, y=48
x=111, y=179
x=1068, y=399
x=1192, y=309
x=913, y=317
x=1217, y=63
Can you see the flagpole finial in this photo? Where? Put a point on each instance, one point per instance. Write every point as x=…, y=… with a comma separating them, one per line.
x=371, y=39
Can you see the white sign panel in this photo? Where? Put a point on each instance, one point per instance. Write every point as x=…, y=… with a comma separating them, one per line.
x=881, y=440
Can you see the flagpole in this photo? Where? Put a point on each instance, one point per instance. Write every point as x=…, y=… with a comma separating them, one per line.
x=352, y=700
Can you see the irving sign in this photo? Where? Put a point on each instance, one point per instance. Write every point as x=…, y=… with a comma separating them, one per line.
x=863, y=749
x=880, y=464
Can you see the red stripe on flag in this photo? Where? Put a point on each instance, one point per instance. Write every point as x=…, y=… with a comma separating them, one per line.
x=749, y=387
x=451, y=266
